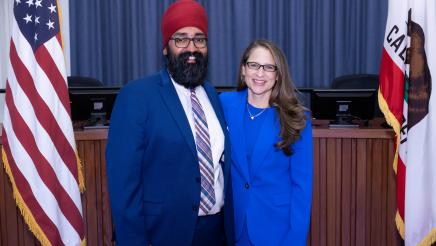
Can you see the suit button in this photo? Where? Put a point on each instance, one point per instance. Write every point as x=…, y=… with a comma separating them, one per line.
x=195, y=208
x=247, y=186
x=197, y=179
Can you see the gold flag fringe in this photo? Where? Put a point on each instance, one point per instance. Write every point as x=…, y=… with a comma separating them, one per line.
x=60, y=24
x=25, y=211
x=429, y=239
x=400, y=224
x=80, y=174
x=392, y=121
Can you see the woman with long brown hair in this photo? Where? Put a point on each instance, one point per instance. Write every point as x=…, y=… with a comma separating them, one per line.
x=271, y=140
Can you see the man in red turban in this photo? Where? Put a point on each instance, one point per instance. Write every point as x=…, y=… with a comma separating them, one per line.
x=169, y=182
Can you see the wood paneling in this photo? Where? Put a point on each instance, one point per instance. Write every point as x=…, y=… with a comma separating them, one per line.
x=353, y=188
x=353, y=191
x=96, y=207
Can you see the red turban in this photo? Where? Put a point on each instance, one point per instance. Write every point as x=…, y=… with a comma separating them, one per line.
x=183, y=13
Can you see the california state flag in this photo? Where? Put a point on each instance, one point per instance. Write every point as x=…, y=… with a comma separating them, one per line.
x=407, y=76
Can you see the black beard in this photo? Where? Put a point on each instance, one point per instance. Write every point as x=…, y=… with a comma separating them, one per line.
x=189, y=75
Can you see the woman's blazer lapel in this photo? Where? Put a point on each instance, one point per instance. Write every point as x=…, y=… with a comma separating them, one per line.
x=236, y=129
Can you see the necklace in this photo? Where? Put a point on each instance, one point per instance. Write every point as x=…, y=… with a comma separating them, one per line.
x=255, y=115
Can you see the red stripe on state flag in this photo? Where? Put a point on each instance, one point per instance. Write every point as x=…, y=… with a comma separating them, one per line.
x=401, y=186
x=45, y=171
x=391, y=101
x=43, y=113
x=47, y=227
x=392, y=86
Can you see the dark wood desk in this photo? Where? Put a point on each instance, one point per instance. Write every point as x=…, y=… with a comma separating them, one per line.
x=354, y=188
x=353, y=191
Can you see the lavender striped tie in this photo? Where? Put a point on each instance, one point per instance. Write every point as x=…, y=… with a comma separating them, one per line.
x=204, y=152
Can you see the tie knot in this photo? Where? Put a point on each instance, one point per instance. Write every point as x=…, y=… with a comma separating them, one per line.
x=193, y=91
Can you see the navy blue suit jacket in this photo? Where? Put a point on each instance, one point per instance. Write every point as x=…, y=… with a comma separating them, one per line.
x=273, y=192
x=152, y=165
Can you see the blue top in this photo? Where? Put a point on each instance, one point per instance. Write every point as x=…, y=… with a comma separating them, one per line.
x=252, y=126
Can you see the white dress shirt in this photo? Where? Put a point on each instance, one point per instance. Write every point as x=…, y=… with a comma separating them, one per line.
x=216, y=138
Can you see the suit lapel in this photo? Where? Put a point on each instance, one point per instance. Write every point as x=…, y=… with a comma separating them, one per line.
x=214, y=101
x=172, y=101
x=265, y=142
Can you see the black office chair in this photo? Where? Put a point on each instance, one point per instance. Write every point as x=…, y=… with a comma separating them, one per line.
x=359, y=81
x=356, y=81
x=80, y=81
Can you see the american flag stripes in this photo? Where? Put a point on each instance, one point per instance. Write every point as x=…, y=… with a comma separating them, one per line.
x=39, y=151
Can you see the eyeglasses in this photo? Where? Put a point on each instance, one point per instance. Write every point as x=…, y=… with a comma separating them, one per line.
x=184, y=42
x=257, y=66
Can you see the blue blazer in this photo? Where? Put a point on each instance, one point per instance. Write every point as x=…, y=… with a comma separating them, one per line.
x=152, y=165
x=273, y=195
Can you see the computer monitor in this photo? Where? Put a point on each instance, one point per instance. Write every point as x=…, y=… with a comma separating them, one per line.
x=92, y=104
x=343, y=105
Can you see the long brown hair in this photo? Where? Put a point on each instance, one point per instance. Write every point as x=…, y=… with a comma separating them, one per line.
x=283, y=97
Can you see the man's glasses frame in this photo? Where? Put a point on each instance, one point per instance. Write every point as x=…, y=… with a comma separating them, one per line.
x=183, y=42
x=266, y=67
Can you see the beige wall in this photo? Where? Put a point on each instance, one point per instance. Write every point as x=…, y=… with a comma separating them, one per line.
x=5, y=12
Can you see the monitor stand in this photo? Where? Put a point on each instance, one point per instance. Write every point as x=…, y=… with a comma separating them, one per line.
x=343, y=121
x=97, y=120
x=343, y=116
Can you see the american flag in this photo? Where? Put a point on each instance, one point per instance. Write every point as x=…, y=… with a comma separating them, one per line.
x=39, y=151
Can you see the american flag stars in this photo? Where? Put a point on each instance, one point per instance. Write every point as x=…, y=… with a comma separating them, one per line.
x=52, y=9
x=38, y=3
x=28, y=18
x=31, y=13
x=50, y=24
x=30, y=2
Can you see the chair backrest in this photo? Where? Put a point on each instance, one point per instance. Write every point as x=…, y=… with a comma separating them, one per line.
x=80, y=81
x=356, y=81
